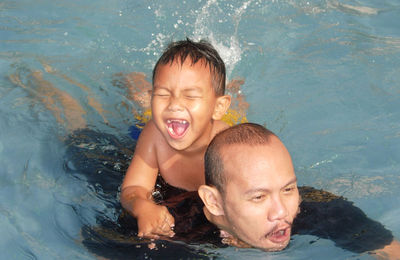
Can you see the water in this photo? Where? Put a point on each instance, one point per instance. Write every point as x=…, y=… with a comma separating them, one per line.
x=324, y=75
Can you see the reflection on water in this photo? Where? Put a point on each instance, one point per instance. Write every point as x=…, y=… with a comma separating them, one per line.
x=323, y=74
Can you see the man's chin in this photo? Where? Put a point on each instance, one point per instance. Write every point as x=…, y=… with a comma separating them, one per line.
x=265, y=243
x=274, y=247
x=278, y=239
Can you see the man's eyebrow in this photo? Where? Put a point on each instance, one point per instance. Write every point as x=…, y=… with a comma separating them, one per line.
x=293, y=180
x=290, y=182
x=256, y=190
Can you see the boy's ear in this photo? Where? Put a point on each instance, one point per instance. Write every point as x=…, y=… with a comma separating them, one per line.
x=212, y=199
x=221, y=106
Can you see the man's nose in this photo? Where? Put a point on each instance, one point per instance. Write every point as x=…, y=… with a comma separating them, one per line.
x=277, y=210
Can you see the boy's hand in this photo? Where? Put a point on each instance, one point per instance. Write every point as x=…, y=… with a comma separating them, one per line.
x=155, y=221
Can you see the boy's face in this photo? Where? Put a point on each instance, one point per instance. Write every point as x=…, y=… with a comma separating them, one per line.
x=261, y=197
x=184, y=103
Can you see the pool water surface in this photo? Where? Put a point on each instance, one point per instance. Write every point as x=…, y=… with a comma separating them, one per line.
x=324, y=75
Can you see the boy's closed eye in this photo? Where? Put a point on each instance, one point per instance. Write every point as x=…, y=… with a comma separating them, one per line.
x=193, y=93
x=161, y=92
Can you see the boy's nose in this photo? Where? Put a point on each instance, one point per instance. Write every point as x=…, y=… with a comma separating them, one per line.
x=277, y=210
x=175, y=104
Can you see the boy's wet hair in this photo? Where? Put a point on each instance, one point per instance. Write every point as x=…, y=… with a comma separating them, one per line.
x=197, y=51
x=247, y=134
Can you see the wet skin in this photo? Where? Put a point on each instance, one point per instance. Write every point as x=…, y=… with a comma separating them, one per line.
x=261, y=198
x=186, y=115
x=184, y=104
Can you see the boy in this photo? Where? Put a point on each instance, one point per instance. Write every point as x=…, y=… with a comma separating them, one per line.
x=187, y=104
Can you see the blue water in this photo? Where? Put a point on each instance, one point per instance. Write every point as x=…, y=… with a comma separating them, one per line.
x=324, y=75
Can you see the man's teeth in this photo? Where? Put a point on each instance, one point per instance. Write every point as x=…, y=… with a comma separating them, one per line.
x=279, y=233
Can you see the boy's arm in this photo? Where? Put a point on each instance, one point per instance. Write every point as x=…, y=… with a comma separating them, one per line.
x=153, y=220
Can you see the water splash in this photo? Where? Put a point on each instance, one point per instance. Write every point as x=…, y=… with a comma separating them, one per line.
x=226, y=43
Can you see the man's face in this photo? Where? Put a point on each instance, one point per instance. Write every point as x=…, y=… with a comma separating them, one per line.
x=183, y=103
x=261, y=197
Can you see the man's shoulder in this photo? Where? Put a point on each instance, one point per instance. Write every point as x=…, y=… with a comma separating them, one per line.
x=327, y=215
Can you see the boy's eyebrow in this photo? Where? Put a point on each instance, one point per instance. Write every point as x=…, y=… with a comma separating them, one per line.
x=193, y=88
x=188, y=88
x=290, y=182
x=158, y=86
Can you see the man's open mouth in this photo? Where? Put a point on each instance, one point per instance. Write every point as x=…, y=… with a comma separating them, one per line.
x=279, y=235
x=177, y=127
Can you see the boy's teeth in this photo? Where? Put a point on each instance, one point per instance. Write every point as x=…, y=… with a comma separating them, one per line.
x=177, y=127
x=169, y=121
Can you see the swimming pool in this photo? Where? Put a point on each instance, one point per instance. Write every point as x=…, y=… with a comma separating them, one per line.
x=324, y=75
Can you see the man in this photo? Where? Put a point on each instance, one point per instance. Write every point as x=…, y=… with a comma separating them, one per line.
x=252, y=186
x=251, y=195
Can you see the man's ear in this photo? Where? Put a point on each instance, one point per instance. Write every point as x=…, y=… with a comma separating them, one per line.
x=212, y=199
x=221, y=106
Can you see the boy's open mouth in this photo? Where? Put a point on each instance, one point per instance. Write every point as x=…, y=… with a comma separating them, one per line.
x=177, y=127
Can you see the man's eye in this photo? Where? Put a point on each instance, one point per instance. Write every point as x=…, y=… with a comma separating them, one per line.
x=289, y=189
x=258, y=198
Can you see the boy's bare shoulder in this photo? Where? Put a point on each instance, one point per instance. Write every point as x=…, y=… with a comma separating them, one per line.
x=151, y=139
x=147, y=149
x=149, y=126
